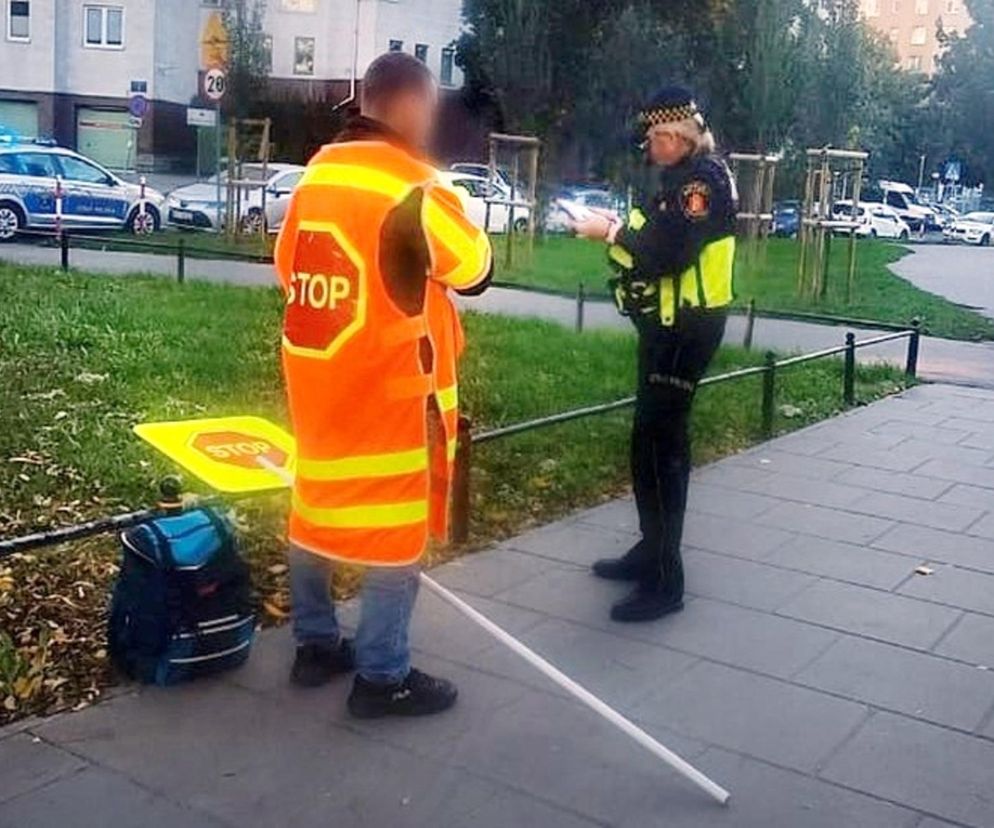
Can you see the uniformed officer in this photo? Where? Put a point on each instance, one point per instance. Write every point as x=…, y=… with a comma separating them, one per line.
x=673, y=259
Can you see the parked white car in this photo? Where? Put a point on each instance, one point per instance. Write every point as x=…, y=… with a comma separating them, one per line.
x=476, y=191
x=875, y=220
x=973, y=228
x=557, y=218
x=482, y=171
x=196, y=206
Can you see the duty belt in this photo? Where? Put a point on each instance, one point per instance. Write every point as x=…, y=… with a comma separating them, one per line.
x=637, y=298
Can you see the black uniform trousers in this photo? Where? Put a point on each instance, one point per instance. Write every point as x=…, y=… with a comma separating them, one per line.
x=671, y=360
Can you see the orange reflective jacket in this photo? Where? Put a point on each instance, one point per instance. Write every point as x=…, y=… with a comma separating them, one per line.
x=371, y=376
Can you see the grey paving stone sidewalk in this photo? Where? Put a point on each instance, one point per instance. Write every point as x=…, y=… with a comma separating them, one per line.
x=813, y=672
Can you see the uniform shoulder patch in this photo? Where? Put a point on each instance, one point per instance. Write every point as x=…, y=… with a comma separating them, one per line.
x=695, y=200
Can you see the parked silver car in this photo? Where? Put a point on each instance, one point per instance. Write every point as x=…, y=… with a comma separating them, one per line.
x=264, y=198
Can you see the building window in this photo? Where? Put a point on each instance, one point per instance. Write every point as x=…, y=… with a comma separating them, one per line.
x=921, y=7
x=896, y=7
x=448, y=60
x=918, y=36
x=297, y=5
x=421, y=52
x=915, y=63
x=873, y=8
x=894, y=35
x=19, y=20
x=396, y=45
x=103, y=27
x=951, y=7
x=303, y=56
x=267, y=53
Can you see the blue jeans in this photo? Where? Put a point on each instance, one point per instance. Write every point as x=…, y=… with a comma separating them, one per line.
x=383, y=653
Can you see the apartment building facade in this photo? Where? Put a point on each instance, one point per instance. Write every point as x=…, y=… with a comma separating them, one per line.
x=113, y=78
x=913, y=27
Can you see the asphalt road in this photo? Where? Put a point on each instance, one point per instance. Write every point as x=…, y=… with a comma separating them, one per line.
x=941, y=360
x=962, y=274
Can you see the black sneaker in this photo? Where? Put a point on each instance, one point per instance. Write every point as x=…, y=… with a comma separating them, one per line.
x=646, y=604
x=417, y=695
x=317, y=664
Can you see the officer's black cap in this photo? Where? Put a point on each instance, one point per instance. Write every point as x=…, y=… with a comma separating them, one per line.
x=668, y=104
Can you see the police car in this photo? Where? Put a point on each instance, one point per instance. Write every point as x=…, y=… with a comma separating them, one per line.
x=92, y=197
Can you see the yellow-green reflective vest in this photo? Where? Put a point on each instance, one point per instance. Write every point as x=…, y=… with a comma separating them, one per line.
x=707, y=283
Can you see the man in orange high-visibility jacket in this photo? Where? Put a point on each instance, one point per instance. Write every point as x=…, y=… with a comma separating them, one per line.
x=371, y=244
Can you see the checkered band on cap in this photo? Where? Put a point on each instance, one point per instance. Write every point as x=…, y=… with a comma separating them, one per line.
x=667, y=114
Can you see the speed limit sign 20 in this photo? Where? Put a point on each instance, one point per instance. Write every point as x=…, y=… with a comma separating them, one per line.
x=215, y=84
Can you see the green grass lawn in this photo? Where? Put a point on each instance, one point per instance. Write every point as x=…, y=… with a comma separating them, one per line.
x=770, y=278
x=83, y=358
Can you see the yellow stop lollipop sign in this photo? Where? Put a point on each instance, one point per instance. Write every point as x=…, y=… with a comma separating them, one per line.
x=236, y=455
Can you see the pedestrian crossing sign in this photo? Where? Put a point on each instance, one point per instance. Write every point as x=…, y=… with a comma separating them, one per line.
x=235, y=455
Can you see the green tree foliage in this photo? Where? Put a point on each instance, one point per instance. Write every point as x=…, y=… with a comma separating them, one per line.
x=248, y=55
x=775, y=75
x=963, y=94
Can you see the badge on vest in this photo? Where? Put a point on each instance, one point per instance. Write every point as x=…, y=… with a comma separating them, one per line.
x=326, y=299
x=695, y=199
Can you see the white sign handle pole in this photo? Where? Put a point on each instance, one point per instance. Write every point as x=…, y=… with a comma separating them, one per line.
x=580, y=693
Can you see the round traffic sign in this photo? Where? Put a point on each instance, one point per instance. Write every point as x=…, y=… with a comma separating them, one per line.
x=138, y=106
x=215, y=84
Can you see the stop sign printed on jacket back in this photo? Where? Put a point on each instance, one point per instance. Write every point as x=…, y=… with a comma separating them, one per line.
x=326, y=298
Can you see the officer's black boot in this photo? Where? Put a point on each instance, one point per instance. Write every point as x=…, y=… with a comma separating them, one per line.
x=660, y=592
x=637, y=563
x=652, y=598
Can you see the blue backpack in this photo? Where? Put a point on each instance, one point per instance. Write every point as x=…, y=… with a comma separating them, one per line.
x=183, y=605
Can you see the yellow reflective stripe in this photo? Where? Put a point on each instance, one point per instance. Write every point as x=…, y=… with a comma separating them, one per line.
x=450, y=449
x=618, y=254
x=636, y=219
x=378, y=516
x=711, y=277
x=369, y=465
x=667, y=303
x=448, y=398
x=358, y=177
x=471, y=246
x=468, y=243
x=717, y=267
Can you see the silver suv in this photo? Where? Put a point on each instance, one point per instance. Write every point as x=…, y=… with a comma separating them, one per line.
x=92, y=197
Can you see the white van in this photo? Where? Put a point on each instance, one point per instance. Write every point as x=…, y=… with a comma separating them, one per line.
x=902, y=198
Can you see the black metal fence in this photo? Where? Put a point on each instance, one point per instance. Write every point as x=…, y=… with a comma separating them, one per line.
x=182, y=250
x=466, y=438
x=461, y=500
x=67, y=240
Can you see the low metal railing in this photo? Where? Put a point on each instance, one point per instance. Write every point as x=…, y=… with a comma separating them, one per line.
x=466, y=438
x=581, y=295
x=66, y=239
x=461, y=496
x=462, y=480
